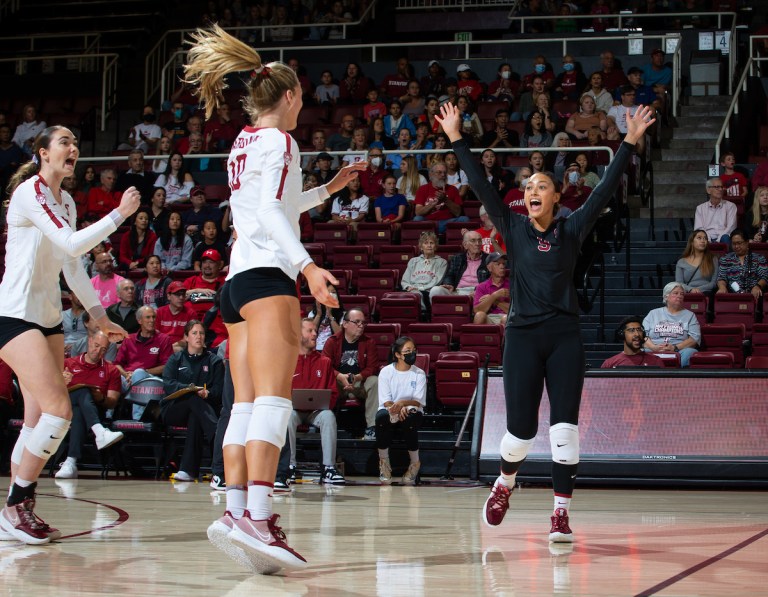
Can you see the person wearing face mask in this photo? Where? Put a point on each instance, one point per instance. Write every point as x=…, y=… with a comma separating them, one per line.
x=176, y=128
x=570, y=82
x=402, y=398
x=540, y=69
x=574, y=192
x=372, y=178
x=507, y=83
x=146, y=134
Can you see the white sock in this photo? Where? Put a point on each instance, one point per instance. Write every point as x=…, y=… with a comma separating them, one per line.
x=383, y=453
x=259, y=500
x=98, y=429
x=506, y=480
x=414, y=456
x=22, y=482
x=562, y=502
x=236, y=500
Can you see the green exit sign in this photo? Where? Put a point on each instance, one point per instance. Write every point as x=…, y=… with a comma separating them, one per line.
x=463, y=36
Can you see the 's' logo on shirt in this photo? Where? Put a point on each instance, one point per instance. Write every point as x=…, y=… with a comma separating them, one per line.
x=544, y=245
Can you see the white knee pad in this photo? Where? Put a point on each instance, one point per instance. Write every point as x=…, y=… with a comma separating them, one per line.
x=47, y=436
x=237, y=428
x=564, y=440
x=18, y=448
x=269, y=420
x=514, y=449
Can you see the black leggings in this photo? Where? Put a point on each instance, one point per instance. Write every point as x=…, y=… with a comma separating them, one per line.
x=409, y=429
x=549, y=351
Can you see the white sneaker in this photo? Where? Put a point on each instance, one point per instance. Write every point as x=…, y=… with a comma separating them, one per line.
x=182, y=476
x=67, y=470
x=410, y=476
x=385, y=471
x=107, y=438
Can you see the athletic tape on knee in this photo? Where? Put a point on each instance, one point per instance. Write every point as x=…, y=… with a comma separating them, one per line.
x=514, y=449
x=18, y=448
x=564, y=440
x=47, y=436
x=269, y=420
x=237, y=428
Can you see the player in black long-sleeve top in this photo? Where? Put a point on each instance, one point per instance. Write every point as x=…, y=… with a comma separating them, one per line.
x=543, y=341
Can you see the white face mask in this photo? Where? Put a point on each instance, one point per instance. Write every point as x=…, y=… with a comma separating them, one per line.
x=524, y=182
x=505, y=74
x=573, y=177
x=376, y=161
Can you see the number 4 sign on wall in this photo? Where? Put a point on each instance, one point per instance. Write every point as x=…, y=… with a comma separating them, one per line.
x=723, y=42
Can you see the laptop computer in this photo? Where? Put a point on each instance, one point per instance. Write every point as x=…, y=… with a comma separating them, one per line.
x=311, y=399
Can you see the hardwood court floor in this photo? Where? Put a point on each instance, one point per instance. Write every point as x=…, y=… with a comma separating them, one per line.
x=125, y=537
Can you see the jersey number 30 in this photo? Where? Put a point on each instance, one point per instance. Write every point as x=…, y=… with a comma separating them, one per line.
x=236, y=168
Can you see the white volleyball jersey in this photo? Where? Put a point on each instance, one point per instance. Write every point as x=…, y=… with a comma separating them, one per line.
x=42, y=243
x=265, y=178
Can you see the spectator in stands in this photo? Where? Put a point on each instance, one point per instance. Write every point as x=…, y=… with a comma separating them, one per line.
x=202, y=288
x=716, y=216
x=103, y=199
x=565, y=24
x=159, y=165
x=94, y=386
x=468, y=84
x=88, y=179
x=657, y=74
x=153, y=289
x=359, y=144
x=373, y=108
x=630, y=331
x=11, y=157
x=603, y=98
x=734, y=182
x=123, y=312
x=756, y=219
x=137, y=244
x=425, y=271
x=433, y=83
x=759, y=177
x=465, y=270
x=586, y=172
x=558, y=161
x=394, y=86
x=356, y=363
x=431, y=110
x=391, y=207
x=173, y=246
x=176, y=180
x=372, y=177
x=529, y=99
x=378, y=137
x=491, y=300
x=537, y=161
x=201, y=212
x=672, y=328
x=551, y=118
x=587, y=116
x=210, y=241
x=350, y=206
x=515, y=198
x=437, y=201
x=613, y=74
x=306, y=84
x=72, y=323
x=327, y=321
x=619, y=114
x=176, y=128
x=158, y=214
x=404, y=143
x=318, y=140
x=741, y=270
x=501, y=135
x=496, y=175
x=573, y=191
x=200, y=164
x=89, y=259
x=220, y=131
x=281, y=29
x=506, y=85
x=402, y=398
x=471, y=127
x=492, y=240
x=354, y=87
x=105, y=281
x=81, y=346
x=441, y=142
x=644, y=94
x=697, y=269
x=454, y=175
x=342, y=140
x=540, y=69
x=29, y=128
x=314, y=371
x=410, y=180
x=413, y=101
x=147, y=133
x=570, y=83
x=136, y=176
x=327, y=92
x=535, y=134
x=175, y=314
x=396, y=121
x=198, y=375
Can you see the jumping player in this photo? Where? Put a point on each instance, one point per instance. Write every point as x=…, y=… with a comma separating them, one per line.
x=259, y=301
x=543, y=342
x=43, y=242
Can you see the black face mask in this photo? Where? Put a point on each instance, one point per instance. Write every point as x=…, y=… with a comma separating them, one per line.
x=148, y=117
x=410, y=358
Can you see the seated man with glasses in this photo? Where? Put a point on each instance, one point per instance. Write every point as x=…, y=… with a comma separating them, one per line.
x=466, y=270
x=717, y=217
x=356, y=365
x=632, y=334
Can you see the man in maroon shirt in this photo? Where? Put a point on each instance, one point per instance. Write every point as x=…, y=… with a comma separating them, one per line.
x=372, y=177
x=93, y=384
x=631, y=332
x=613, y=75
x=437, y=200
x=172, y=318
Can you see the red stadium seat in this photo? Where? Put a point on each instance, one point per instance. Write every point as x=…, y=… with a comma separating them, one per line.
x=316, y=252
x=697, y=303
x=472, y=209
x=456, y=377
x=344, y=276
x=383, y=335
x=760, y=339
x=411, y=231
x=445, y=251
x=313, y=115
x=759, y=248
x=332, y=234
x=670, y=359
x=455, y=309
x=756, y=363
x=484, y=339
x=453, y=235
x=374, y=234
x=431, y=338
x=725, y=338
x=400, y=307
x=339, y=112
x=367, y=304
x=731, y=307
x=396, y=257
x=377, y=282
x=718, y=249
x=352, y=257
x=422, y=362
x=712, y=360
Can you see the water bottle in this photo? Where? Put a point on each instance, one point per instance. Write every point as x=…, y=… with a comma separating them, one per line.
x=467, y=122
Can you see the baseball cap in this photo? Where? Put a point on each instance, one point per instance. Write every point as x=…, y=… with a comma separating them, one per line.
x=196, y=190
x=431, y=62
x=462, y=68
x=324, y=155
x=175, y=287
x=444, y=99
x=493, y=257
x=657, y=51
x=211, y=254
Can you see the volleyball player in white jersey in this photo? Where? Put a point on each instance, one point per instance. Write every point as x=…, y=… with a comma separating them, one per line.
x=43, y=242
x=259, y=301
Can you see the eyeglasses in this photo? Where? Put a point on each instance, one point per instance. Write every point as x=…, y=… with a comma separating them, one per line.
x=633, y=330
x=716, y=187
x=361, y=323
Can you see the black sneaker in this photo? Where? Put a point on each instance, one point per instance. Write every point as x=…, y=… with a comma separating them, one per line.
x=332, y=476
x=281, y=486
x=218, y=484
x=293, y=473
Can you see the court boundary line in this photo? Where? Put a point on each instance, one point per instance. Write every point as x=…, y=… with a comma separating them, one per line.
x=701, y=565
x=122, y=515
